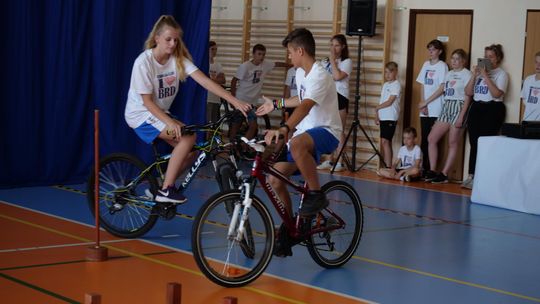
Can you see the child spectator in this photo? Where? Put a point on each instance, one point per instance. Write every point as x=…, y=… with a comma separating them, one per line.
x=408, y=165
x=452, y=119
x=431, y=77
x=216, y=74
x=531, y=93
x=250, y=77
x=339, y=65
x=289, y=90
x=387, y=112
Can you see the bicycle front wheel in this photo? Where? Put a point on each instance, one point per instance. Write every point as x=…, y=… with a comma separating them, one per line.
x=221, y=257
x=333, y=248
x=125, y=210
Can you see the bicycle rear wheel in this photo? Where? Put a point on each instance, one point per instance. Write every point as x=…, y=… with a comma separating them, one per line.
x=333, y=248
x=221, y=258
x=124, y=208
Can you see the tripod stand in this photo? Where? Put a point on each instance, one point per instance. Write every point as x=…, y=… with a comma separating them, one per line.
x=356, y=124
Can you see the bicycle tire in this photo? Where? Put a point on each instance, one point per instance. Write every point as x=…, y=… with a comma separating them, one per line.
x=121, y=214
x=332, y=249
x=226, y=177
x=218, y=257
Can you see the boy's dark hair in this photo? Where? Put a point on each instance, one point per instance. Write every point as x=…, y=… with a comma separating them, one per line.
x=211, y=44
x=497, y=49
x=391, y=66
x=301, y=37
x=258, y=47
x=437, y=44
x=410, y=130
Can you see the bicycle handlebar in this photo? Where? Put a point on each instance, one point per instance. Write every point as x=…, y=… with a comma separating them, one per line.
x=258, y=145
x=190, y=129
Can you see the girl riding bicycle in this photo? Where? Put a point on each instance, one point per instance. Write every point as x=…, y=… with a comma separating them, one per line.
x=154, y=84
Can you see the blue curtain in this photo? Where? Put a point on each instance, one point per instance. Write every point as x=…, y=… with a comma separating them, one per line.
x=63, y=59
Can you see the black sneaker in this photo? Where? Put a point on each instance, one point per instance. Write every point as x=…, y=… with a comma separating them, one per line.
x=282, y=245
x=440, y=179
x=429, y=175
x=314, y=201
x=170, y=195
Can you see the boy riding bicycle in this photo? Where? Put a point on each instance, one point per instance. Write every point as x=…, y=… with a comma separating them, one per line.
x=315, y=118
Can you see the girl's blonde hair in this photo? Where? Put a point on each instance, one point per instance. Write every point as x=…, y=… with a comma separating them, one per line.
x=181, y=52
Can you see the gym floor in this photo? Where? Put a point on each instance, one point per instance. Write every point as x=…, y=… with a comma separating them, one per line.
x=421, y=243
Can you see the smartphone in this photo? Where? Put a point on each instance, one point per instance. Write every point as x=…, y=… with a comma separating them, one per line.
x=484, y=63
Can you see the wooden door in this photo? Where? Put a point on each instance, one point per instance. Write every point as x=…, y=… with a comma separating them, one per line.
x=532, y=46
x=454, y=29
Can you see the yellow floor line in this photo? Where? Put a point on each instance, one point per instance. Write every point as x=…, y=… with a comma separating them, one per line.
x=143, y=257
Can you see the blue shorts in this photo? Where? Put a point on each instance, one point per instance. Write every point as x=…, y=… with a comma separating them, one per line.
x=147, y=132
x=325, y=143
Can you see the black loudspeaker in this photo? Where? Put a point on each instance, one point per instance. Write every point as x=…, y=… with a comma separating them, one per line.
x=361, y=17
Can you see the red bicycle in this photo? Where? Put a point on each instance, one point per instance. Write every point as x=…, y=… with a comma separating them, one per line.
x=233, y=233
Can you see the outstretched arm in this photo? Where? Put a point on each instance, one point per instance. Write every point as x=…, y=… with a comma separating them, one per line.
x=268, y=105
x=215, y=88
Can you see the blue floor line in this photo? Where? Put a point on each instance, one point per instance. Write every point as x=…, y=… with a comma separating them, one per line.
x=502, y=255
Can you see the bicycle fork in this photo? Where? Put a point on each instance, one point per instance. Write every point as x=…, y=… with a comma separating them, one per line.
x=234, y=233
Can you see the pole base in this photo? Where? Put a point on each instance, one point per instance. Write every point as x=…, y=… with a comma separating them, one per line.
x=96, y=254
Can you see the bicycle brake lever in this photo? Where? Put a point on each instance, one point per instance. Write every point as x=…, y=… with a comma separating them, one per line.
x=254, y=144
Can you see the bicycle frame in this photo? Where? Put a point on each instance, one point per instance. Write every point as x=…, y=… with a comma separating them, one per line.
x=210, y=148
x=258, y=173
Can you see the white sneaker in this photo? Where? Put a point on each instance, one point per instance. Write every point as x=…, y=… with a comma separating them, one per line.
x=468, y=182
x=325, y=165
x=339, y=167
x=469, y=185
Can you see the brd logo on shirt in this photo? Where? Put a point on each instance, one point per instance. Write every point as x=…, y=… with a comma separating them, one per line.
x=481, y=90
x=534, y=93
x=428, y=77
x=166, y=92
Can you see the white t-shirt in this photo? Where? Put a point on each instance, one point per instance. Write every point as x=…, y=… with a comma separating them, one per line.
x=408, y=157
x=318, y=86
x=455, y=83
x=214, y=70
x=342, y=86
x=531, y=97
x=390, y=88
x=250, y=79
x=290, y=81
x=481, y=91
x=431, y=77
x=150, y=77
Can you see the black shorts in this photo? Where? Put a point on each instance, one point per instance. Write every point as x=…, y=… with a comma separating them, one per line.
x=238, y=117
x=388, y=128
x=343, y=103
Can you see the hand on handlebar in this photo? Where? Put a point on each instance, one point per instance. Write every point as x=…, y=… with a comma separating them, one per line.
x=174, y=129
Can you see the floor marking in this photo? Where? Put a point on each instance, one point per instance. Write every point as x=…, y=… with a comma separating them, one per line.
x=428, y=274
x=381, y=209
x=80, y=261
x=143, y=257
x=60, y=246
x=42, y=290
x=401, y=185
x=262, y=292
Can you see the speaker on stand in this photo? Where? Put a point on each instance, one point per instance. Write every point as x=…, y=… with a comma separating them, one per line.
x=361, y=17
